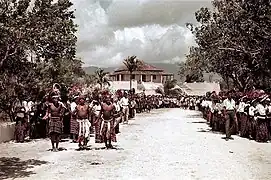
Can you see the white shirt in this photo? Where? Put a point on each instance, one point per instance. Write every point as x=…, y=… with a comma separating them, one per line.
x=251, y=110
x=25, y=106
x=117, y=106
x=218, y=107
x=30, y=104
x=210, y=104
x=212, y=107
x=133, y=103
x=124, y=101
x=160, y=102
x=203, y=103
x=229, y=104
x=73, y=106
x=241, y=107
x=97, y=109
x=261, y=109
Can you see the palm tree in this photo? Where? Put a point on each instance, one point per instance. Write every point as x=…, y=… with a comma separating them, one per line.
x=132, y=64
x=101, y=77
x=169, y=84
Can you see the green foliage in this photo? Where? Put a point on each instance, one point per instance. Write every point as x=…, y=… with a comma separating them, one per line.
x=159, y=90
x=168, y=85
x=37, y=48
x=192, y=69
x=234, y=41
x=101, y=78
x=132, y=64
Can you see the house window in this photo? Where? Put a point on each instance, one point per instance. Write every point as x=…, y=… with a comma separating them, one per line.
x=122, y=77
x=133, y=76
x=154, y=77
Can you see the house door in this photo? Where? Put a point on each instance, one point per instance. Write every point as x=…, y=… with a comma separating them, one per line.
x=144, y=78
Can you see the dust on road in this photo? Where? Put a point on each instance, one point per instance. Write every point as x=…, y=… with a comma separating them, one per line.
x=164, y=144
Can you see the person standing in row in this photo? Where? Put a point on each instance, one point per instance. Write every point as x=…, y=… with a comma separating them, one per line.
x=82, y=113
x=74, y=126
x=96, y=107
x=124, y=102
x=55, y=114
x=229, y=105
x=117, y=115
x=107, y=127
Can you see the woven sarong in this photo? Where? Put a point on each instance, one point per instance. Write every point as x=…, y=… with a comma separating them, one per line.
x=55, y=125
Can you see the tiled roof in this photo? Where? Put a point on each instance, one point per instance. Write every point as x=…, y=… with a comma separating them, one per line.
x=144, y=67
x=142, y=72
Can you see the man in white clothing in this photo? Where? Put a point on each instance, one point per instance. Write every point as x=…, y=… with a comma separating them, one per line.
x=96, y=109
x=229, y=105
x=124, y=103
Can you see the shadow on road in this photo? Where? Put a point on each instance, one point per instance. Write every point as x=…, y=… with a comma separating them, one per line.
x=209, y=130
x=194, y=116
x=198, y=122
x=104, y=148
x=59, y=149
x=13, y=167
x=64, y=140
x=95, y=163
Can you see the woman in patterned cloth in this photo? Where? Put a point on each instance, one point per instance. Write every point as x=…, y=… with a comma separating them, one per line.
x=21, y=125
x=55, y=113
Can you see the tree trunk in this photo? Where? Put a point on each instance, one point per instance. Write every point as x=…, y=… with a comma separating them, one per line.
x=131, y=81
x=227, y=82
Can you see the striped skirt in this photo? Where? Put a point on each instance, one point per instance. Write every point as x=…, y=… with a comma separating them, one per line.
x=74, y=126
x=55, y=125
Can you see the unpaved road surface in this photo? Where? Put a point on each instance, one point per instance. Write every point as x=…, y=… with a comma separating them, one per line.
x=164, y=144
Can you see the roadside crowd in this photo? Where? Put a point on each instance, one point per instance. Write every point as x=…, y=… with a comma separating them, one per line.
x=79, y=116
x=234, y=113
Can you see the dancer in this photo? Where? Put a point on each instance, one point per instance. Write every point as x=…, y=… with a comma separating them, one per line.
x=82, y=113
x=107, y=127
x=55, y=113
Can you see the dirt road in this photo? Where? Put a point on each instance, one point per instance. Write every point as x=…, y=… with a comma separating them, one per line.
x=164, y=144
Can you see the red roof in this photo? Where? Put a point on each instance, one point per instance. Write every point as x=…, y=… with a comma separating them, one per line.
x=144, y=67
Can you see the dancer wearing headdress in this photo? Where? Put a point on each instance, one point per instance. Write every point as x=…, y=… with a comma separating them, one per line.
x=82, y=113
x=108, y=122
x=55, y=113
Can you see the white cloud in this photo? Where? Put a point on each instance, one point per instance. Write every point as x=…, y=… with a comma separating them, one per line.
x=110, y=30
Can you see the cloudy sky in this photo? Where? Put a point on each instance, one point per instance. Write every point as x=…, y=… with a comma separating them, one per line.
x=153, y=30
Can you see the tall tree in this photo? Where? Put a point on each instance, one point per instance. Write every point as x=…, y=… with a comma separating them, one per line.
x=132, y=64
x=101, y=78
x=234, y=41
x=37, y=48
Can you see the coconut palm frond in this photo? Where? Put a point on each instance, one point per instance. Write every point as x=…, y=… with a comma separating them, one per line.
x=101, y=77
x=132, y=63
